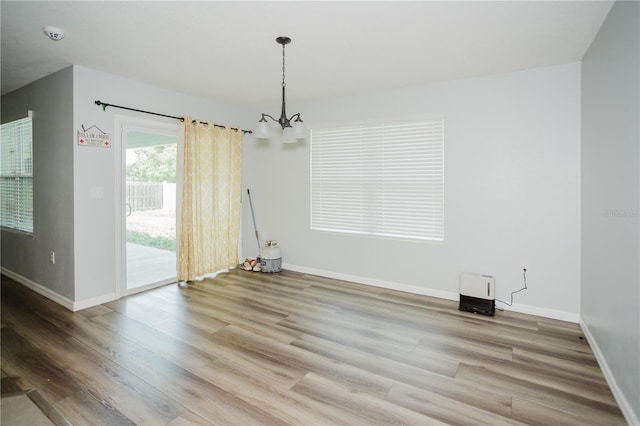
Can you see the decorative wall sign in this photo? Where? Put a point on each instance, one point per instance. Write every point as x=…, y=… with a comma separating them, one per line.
x=99, y=139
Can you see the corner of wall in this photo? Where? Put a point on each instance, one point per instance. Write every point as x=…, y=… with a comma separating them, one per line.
x=625, y=405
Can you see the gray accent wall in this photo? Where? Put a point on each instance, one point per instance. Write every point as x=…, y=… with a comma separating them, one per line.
x=51, y=100
x=610, y=221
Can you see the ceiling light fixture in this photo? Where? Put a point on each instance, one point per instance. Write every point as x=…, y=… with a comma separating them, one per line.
x=53, y=33
x=289, y=133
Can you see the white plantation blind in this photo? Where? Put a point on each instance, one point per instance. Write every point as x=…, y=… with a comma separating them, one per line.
x=16, y=175
x=381, y=179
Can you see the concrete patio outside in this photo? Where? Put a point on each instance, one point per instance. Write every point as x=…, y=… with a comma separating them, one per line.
x=149, y=265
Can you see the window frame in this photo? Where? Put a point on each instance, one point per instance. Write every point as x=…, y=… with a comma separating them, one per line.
x=423, y=221
x=20, y=203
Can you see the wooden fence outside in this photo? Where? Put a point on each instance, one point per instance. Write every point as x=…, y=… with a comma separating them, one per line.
x=144, y=195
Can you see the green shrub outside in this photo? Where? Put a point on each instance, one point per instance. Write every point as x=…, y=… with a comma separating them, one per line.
x=147, y=240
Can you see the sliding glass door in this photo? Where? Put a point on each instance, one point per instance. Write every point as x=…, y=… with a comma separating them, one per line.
x=149, y=205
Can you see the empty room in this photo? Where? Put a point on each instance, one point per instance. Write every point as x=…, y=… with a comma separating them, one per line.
x=320, y=212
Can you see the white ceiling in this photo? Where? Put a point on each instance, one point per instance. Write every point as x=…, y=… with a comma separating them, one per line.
x=227, y=51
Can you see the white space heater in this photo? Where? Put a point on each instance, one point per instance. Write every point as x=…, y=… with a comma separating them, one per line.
x=477, y=293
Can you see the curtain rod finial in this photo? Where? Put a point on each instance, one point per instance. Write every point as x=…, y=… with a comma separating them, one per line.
x=104, y=106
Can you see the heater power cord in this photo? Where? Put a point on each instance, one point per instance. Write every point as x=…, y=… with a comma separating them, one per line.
x=524, y=277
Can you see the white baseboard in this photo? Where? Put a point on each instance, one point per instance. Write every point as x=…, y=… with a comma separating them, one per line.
x=52, y=295
x=94, y=301
x=542, y=312
x=425, y=291
x=624, y=404
x=40, y=289
x=373, y=282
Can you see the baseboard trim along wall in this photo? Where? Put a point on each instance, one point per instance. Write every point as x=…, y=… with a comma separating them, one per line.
x=623, y=402
x=87, y=303
x=40, y=289
x=52, y=295
x=425, y=291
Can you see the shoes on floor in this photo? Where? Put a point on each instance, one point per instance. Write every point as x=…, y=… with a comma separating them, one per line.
x=251, y=264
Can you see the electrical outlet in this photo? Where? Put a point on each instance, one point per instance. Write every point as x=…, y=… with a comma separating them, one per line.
x=524, y=266
x=52, y=257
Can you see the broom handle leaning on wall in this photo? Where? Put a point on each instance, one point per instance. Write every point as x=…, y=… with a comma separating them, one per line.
x=253, y=216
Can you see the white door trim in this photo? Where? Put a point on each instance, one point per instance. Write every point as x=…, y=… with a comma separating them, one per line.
x=122, y=122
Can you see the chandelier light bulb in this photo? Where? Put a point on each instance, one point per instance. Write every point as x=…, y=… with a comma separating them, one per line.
x=288, y=136
x=262, y=129
x=298, y=129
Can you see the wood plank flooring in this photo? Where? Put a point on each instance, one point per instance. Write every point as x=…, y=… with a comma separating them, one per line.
x=293, y=349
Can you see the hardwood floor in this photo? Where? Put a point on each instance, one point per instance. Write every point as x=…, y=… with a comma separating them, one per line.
x=292, y=349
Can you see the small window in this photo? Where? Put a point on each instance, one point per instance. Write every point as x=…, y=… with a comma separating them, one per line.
x=16, y=175
x=381, y=179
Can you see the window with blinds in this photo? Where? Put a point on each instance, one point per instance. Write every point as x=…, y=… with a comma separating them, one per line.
x=16, y=175
x=382, y=179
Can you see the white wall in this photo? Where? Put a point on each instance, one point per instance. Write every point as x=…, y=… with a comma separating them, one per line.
x=611, y=203
x=26, y=257
x=512, y=191
x=94, y=169
x=511, y=186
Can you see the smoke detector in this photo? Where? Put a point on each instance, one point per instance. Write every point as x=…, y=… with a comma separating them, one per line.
x=53, y=33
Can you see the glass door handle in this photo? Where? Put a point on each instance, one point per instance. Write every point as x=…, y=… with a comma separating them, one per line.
x=128, y=210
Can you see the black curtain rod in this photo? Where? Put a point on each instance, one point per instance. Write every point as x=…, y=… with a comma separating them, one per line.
x=105, y=105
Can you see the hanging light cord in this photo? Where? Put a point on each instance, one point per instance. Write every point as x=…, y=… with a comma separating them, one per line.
x=283, y=83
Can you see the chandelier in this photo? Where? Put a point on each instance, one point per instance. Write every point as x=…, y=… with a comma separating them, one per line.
x=291, y=130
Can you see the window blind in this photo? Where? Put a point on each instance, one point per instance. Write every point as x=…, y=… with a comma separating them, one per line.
x=16, y=175
x=380, y=179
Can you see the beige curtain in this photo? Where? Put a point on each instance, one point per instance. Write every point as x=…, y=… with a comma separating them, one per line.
x=209, y=210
